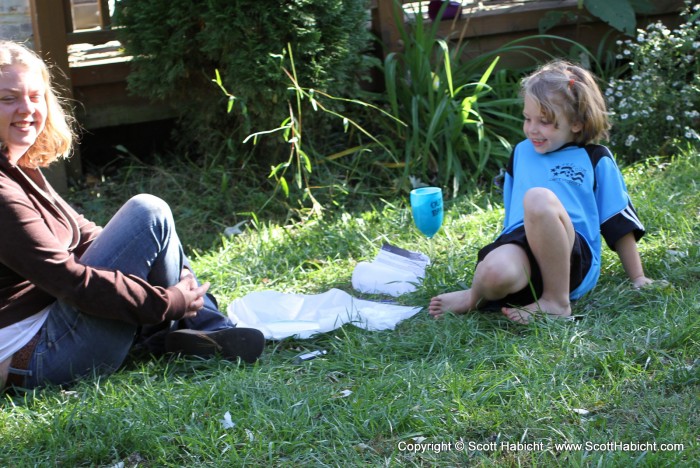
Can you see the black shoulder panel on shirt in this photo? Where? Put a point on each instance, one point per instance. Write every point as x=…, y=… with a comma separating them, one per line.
x=596, y=153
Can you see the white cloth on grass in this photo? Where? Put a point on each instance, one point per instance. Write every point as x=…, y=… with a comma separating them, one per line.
x=280, y=315
x=394, y=271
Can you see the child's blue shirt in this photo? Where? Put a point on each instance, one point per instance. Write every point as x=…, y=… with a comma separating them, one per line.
x=589, y=185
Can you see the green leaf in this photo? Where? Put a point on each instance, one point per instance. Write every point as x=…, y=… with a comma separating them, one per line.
x=448, y=65
x=229, y=107
x=275, y=169
x=618, y=14
x=645, y=7
x=285, y=187
x=306, y=160
x=467, y=103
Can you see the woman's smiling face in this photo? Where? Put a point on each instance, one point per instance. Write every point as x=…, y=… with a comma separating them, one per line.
x=546, y=136
x=23, y=109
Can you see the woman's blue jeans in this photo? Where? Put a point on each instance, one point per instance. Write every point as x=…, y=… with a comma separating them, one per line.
x=139, y=240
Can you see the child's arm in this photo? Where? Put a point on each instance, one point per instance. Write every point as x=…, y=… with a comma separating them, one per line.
x=626, y=248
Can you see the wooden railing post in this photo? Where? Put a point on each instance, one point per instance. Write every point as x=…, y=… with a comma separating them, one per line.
x=386, y=32
x=49, y=23
x=68, y=15
x=384, y=24
x=105, y=17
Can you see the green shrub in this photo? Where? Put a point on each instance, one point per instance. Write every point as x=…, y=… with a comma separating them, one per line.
x=655, y=103
x=179, y=44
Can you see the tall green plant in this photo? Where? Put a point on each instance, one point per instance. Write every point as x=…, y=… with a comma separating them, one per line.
x=458, y=128
x=298, y=166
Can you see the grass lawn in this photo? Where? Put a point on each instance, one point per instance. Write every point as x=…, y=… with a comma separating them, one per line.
x=475, y=390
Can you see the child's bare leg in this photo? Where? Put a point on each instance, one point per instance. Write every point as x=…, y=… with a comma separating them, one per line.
x=503, y=271
x=550, y=235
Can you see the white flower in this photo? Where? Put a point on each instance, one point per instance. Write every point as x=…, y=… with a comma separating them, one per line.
x=630, y=139
x=227, y=423
x=669, y=118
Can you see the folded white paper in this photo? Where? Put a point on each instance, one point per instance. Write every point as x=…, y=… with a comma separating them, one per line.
x=394, y=271
x=280, y=315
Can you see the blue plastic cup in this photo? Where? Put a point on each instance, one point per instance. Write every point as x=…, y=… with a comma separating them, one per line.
x=426, y=206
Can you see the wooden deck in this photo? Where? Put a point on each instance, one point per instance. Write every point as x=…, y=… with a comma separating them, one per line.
x=98, y=76
x=486, y=25
x=94, y=66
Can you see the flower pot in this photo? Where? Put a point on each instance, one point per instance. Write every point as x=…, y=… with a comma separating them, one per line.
x=453, y=9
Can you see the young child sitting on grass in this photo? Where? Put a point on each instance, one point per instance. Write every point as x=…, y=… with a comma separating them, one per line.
x=562, y=190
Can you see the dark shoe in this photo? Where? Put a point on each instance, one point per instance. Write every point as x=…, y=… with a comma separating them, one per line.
x=229, y=343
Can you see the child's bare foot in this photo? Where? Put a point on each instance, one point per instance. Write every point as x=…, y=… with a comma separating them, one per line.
x=457, y=302
x=541, y=307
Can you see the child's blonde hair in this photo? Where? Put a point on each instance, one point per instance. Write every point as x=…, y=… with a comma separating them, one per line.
x=57, y=137
x=563, y=89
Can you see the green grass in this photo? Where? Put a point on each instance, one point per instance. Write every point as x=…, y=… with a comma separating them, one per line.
x=627, y=372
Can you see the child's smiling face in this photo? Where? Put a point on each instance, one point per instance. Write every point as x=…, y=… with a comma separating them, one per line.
x=546, y=136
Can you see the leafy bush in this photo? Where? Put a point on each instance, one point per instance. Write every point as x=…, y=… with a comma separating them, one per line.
x=655, y=103
x=178, y=45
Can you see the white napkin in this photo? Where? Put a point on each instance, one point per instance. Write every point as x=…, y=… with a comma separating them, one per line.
x=280, y=315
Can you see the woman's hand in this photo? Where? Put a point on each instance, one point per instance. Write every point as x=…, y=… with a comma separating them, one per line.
x=194, y=294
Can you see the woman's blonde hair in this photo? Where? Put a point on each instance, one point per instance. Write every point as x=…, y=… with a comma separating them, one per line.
x=56, y=139
x=562, y=88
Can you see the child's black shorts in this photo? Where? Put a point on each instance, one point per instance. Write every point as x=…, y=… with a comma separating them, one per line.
x=580, y=264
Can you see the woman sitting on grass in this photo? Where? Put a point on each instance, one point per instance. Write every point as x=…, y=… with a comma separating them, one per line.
x=561, y=191
x=74, y=298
